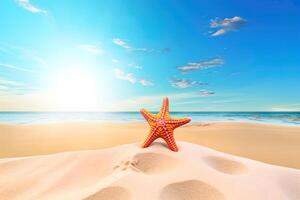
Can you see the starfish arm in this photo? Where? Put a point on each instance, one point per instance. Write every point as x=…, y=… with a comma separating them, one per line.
x=150, y=138
x=164, y=111
x=178, y=122
x=148, y=116
x=169, y=138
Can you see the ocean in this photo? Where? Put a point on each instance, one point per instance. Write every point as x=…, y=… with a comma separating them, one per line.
x=284, y=118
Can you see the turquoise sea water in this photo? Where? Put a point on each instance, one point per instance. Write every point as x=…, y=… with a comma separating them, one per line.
x=287, y=118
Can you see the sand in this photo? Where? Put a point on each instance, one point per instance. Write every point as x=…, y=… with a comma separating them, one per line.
x=128, y=172
x=274, y=144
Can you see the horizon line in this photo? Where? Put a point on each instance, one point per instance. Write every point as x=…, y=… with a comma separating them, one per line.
x=15, y=111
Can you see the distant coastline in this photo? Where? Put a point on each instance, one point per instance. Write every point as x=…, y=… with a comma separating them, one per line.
x=281, y=118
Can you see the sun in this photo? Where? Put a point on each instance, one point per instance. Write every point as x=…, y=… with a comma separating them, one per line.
x=74, y=90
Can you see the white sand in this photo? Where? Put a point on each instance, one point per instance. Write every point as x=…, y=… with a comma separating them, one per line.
x=130, y=172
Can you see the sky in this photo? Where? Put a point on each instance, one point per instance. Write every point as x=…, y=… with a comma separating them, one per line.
x=64, y=55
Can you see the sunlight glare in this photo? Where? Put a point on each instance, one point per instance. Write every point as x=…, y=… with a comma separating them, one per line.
x=75, y=90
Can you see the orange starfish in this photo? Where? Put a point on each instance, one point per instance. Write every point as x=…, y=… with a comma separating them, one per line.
x=162, y=125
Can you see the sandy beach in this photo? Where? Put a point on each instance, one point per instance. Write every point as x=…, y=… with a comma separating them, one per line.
x=97, y=161
x=129, y=172
x=273, y=144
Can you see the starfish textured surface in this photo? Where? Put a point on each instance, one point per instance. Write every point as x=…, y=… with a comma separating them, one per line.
x=162, y=125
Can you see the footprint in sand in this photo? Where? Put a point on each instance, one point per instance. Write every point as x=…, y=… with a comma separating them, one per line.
x=291, y=187
x=152, y=163
x=126, y=165
x=225, y=166
x=148, y=163
x=111, y=193
x=190, y=190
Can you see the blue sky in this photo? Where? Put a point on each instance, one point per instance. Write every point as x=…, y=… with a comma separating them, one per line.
x=115, y=55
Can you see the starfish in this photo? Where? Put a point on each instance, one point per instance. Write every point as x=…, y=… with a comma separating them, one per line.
x=162, y=125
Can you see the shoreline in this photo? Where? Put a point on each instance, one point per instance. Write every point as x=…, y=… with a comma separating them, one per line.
x=281, y=118
x=143, y=122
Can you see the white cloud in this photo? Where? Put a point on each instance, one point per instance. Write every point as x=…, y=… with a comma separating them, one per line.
x=135, y=66
x=124, y=43
x=201, y=65
x=5, y=82
x=145, y=82
x=218, y=32
x=185, y=83
x=123, y=76
x=92, y=49
x=11, y=87
x=121, y=43
x=29, y=7
x=226, y=25
x=120, y=74
x=9, y=66
x=205, y=93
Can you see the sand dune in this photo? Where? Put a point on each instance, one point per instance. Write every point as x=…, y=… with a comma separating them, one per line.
x=274, y=144
x=129, y=172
